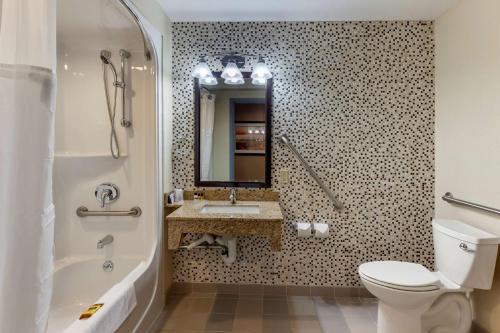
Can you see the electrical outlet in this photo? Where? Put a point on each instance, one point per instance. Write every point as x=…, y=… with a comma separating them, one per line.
x=284, y=176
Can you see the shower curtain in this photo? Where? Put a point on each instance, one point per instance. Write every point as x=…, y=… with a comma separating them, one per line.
x=27, y=91
x=207, y=115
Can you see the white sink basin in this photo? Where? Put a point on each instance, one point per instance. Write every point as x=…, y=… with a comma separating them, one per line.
x=230, y=209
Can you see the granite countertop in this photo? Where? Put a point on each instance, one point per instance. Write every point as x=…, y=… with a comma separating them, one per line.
x=270, y=211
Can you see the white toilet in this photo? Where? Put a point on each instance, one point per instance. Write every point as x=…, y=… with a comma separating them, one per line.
x=413, y=299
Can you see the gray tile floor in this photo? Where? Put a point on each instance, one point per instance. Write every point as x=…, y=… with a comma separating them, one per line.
x=205, y=312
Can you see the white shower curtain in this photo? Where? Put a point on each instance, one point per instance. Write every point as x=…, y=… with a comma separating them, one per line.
x=27, y=89
x=207, y=115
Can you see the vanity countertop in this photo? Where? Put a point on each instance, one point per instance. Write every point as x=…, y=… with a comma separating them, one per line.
x=188, y=217
x=269, y=211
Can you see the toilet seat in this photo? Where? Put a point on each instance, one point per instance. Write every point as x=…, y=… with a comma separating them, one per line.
x=400, y=275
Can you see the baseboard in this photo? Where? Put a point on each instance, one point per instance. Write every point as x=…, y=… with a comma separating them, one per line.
x=476, y=328
x=275, y=290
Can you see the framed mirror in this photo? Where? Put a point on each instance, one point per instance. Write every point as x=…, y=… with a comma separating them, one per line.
x=233, y=133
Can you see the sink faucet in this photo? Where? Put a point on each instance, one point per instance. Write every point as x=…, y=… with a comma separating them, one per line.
x=105, y=241
x=232, y=196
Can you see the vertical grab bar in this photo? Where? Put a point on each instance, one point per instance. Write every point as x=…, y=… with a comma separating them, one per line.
x=336, y=202
x=124, y=55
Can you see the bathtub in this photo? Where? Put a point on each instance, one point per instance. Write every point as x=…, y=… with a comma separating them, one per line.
x=80, y=282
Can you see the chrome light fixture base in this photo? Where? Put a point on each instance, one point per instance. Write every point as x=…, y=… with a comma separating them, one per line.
x=234, y=57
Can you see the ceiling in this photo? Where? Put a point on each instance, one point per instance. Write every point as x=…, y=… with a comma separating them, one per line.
x=304, y=10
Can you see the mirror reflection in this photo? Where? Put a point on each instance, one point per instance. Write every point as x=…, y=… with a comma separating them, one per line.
x=232, y=132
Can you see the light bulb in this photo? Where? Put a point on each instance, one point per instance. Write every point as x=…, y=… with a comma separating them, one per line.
x=250, y=131
x=259, y=81
x=208, y=81
x=261, y=71
x=231, y=71
x=234, y=81
x=201, y=70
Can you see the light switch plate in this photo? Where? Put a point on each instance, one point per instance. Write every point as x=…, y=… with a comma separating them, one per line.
x=284, y=176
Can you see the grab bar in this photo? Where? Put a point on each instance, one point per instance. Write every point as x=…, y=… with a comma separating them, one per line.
x=339, y=205
x=448, y=197
x=84, y=212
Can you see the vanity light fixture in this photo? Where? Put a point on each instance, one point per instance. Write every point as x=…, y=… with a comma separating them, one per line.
x=232, y=62
x=259, y=81
x=208, y=81
x=202, y=70
x=261, y=71
x=231, y=71
x=234, y=81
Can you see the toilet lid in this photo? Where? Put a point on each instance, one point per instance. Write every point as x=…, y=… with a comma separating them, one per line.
x=400, y=274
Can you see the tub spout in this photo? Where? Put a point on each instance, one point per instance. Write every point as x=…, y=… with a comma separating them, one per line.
x=105, y=241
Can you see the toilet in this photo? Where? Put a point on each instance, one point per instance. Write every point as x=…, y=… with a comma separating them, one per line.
x=412, y=299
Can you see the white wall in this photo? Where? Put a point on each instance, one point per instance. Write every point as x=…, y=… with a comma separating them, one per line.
x=468, y=109
x=468, y=123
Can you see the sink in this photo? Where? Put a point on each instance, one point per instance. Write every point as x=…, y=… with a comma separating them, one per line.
x=230, y=209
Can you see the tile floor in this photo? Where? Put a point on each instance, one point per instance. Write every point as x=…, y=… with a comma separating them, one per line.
x=221, y=313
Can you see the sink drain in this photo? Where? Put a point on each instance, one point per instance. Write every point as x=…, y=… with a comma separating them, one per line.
x=107, y=266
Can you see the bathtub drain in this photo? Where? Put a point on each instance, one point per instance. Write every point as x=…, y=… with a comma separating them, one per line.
x=107, y=266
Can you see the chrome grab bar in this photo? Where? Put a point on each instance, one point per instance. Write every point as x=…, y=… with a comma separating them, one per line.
x=336, y=202
x=448, y=197
x=83, y=211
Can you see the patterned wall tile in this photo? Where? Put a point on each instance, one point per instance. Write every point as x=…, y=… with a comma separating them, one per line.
x=357, y=99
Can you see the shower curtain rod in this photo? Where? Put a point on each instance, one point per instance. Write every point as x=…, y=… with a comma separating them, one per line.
x=145, y=40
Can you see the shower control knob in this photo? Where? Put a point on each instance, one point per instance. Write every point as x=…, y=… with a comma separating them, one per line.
x=106, y=193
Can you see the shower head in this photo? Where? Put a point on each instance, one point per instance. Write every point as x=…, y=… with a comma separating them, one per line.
x=106, y=57
x=106, y=60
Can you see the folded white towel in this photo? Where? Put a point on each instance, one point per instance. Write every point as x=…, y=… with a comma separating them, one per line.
x=119, y=301
x=321, y=230
x=304, y=229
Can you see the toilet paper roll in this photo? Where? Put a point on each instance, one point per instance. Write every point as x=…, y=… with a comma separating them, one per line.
x=321, y=230
x=304, y=229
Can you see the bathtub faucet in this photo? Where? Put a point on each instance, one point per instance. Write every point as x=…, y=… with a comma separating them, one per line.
x=105, y=195
x=105, y=241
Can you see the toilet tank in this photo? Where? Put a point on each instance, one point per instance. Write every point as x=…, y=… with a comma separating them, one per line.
x=465, y=254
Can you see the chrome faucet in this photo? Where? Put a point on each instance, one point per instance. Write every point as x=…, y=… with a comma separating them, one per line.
x=232, y=196
x=105, y=195
x=105, y=241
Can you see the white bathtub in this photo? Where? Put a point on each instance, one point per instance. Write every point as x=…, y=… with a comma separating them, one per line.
x=80, y=282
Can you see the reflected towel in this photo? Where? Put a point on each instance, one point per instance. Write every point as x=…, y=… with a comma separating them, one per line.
x=119, y=302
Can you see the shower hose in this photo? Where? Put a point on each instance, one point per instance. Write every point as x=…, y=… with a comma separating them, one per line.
x=113, y=140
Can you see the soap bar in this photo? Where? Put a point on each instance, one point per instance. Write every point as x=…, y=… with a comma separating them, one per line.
x=90, y=311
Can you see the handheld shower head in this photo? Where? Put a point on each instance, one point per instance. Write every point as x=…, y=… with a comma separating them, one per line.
x=106, y=57
x=106, y=60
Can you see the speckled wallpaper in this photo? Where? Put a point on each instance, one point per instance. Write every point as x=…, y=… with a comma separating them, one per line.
x=357, y=100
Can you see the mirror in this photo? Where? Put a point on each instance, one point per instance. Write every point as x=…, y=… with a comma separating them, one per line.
x=233, y=133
